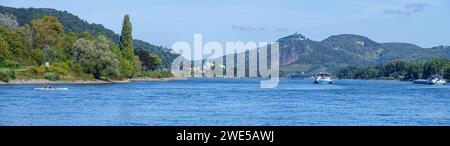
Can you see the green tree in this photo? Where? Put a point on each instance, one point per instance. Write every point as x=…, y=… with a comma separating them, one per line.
x=414, y=70
x=156, y=61
x=29, y=56
x=106, y=64
x=7, y=74
x=129, y=64
x=12, y=47
x=60, y=68
x=395, y=68
x=371, y=73
x=447, y=71
x=46, y=31
x=127, y=68
x=126, y=39
x=149, y=61
x=435, y=66
x=95, y=57
x=4, y=50
x=50, y=55
x=82, y=54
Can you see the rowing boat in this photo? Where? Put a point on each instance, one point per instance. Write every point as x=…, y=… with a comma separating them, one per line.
x=51, y=89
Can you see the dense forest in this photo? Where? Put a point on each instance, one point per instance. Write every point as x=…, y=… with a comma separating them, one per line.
x=73, y=23
x=43, y=49
x=400, y=69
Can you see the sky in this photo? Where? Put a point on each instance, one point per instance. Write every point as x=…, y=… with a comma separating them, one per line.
x=164, y=22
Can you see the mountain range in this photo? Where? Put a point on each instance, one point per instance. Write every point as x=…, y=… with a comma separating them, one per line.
x=299, y=54
x=303, y=57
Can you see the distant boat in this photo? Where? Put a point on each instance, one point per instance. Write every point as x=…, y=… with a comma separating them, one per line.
x=431, y=80
x=323, y=78
x=50, y=88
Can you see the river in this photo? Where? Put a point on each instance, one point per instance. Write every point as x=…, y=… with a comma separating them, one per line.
x=198, y=101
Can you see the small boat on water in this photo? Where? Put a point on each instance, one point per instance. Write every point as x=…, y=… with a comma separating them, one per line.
x=323, y=78
x=431, y=80
x=51, y=88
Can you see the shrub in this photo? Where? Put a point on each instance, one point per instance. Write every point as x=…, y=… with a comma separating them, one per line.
x=7, y=75
x=51, y=76
x=41, y=70
x=33, y=69
x=10, y=64
x=59, y=68
x=77, y=68
x=157, y=74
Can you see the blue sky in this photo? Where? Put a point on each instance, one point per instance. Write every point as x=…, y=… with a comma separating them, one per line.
x=423, y=22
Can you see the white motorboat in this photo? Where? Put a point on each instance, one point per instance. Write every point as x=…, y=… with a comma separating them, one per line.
x=439, y=81
x=323, y=78
x=432, y=80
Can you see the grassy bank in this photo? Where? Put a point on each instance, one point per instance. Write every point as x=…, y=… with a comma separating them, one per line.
x=156, y=74
x=37, y=75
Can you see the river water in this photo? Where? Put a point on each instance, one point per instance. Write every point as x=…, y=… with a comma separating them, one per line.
x=228, y=102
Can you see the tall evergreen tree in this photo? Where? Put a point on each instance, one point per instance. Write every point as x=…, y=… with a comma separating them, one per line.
x=126, y=39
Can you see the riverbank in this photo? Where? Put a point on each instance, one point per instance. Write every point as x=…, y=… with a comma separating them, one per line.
x=146, y=79
x=44, y=81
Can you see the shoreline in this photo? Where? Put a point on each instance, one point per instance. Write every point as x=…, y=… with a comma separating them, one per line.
x=139, y=79
x=45, y=81
x=146, y=79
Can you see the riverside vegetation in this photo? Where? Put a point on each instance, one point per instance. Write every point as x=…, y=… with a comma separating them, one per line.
x=400, y=69
x=25, y=49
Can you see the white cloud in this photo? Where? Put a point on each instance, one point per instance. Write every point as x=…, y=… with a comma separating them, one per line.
x=408, y=9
